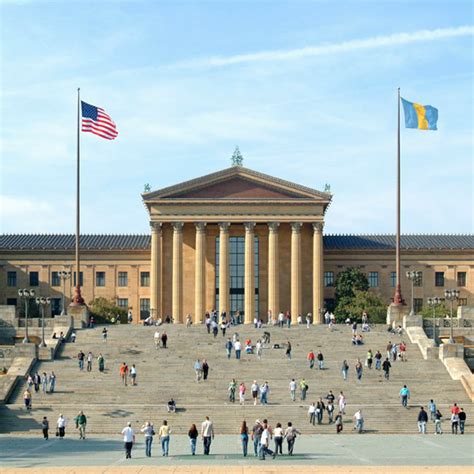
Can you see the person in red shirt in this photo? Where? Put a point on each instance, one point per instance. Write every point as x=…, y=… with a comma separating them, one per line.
x=455, y=409
x=311, y=359
x=124, y=373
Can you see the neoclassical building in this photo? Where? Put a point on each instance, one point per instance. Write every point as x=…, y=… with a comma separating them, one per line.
x=234, y=240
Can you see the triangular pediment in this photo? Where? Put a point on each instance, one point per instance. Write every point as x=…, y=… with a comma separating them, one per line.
x=237, y=183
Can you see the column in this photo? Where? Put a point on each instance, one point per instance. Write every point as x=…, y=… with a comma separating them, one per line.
x=318, y=291
x=155, y=273
x=177, y=285
x=296, y=290
x=273, y=280
x=249, y=280
x=224, y=278
x=200, y=281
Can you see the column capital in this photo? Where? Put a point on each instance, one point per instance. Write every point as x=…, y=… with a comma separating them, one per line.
x=249, y=226
x=178, y=226
x=273, y=226
x=318, y=227
x=296, y=226
x=224, y=226
x=200, y=226
x=155, y=226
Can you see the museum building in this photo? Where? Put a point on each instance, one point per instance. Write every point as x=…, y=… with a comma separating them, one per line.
x=234, y=240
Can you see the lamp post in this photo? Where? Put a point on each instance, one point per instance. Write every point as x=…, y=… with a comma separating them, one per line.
x=434, y=302
x=27, y=295
x=451, y=295
x=64, y=275
x=42, y=301
x=414, y=277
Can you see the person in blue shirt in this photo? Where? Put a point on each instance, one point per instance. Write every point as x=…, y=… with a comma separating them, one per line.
x=405, y=395
x=432, y=410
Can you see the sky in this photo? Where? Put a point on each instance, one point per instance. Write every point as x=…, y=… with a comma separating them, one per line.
x=306, y=89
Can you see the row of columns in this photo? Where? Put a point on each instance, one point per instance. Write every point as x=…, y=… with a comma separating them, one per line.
x=224, y=276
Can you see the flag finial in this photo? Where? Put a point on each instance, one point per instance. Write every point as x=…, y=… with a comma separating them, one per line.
x=237, y=158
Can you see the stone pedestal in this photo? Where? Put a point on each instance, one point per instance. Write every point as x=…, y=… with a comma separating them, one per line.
x=451, y=350
x=396, y=313
x=79, y=314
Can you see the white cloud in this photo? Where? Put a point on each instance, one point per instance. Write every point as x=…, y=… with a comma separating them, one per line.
x=396, y=39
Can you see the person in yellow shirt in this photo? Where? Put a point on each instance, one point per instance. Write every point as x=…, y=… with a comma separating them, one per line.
x=164, y=435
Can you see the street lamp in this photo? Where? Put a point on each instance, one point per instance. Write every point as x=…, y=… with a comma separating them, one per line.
x=27, y=295
x=42, y=301
x=434, y=302
x=414, y=277
x=64, y=275
x=451, y=295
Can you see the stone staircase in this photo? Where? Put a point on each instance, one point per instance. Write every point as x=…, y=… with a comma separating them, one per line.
x=166, y=373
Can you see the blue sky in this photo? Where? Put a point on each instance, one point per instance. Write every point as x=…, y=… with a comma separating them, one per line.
x=306, y=89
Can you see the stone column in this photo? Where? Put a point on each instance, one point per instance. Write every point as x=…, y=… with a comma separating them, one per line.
x=155, y=273
x=177, y=288
x=296, y=290
x=224, y=277
x=200, y=280
x=249, y=281
x=273, y=268
x=318, y=266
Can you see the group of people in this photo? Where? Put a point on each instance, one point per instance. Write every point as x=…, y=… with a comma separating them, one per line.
x=160, y=339
x=457, y=419
x=44, y=382
x=201, y=370
x=259, y=392
x=61, y=424
x=128, y=372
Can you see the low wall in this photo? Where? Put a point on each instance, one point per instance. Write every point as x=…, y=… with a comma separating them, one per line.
x=413, y=326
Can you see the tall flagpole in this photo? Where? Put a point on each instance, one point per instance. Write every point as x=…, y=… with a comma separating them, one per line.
x=77, y=299
x=397, y=299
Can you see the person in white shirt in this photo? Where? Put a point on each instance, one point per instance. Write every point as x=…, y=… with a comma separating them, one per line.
x=308, y=320
x=265, y=442
x=312, y=413
x=61, y=425
x=207, y=433
x=281, y=318
x=157, y=339
x=278, y=435
x=133, y=374
x=255, y=391
x=89, y=361
x=237, y=348
x=128, y=439
x=258, y=349
x=293, y=390
x=359, y=421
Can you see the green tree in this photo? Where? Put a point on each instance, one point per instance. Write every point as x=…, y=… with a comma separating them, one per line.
x=348, y=281
x=363, y=301
x=105, y=310
x=440, y=311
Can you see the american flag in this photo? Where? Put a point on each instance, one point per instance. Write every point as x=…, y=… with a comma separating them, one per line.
x=95, y=120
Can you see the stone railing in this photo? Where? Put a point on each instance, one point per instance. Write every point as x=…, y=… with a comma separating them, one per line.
x=446, y=323
x=413, y=326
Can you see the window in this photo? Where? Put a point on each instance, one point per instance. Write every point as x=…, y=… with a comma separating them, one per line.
x=144, y=308
x=56, y=306
x=122, y=278
x=81, y=279
x=417, y=305
x=373, y=279
x=55, y=280
x=419, y=281
x=99, y=278
x=11, y=301
x=439, y=278
x=122, y=303
x=328, y=279
x=34, y=279
x=329, y=304
x=393, y=279
x=144, y=278
x=11, y=278
x=462, y=302
x=461, y=278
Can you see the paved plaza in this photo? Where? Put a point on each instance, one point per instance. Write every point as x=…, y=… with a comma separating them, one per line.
x=346, y=451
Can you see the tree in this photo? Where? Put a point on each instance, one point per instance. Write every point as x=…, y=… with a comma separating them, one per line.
x=440, y=311
x=362, y=301
x=348, y=281
x=105, y=310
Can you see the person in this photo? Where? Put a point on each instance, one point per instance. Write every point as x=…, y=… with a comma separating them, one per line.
x=52, y=382
x=292, y=388
x=345, y=369
x=89, y=361
x=237, y=348
x=91, y=322
x=389, y=349
x=189, y=320
x=370, y=358
x=462, y=420
x=81, y=422
x=454, y=423
x=432, y=410
x=288, y=319
x=148, y=431
x=394, y=352
x=101, y=362
x=403, y=350
x=422, y=420
x=27, y=399
x=44, y=382
x=299, y=320
x=308, y=320
x=358, y=369
x=248, y=346
x=437, y=421
x=104, y=336
x=281, y=318
x=256, y=436
x=128, y=439
x=303, y=388
x=124, y=373
x=207, y=433
x=330, y=397
x=130, y=316
x=290, y=435
x=232, y=388
x=80, y=359
x=320, y=360
x=193, y=435
x=171, y=406
x=311, y=358
x=208, y=323
x=341, y=399
x=320, y=407
x=244, y=437
x=36, y=381
x=259, y=349
x=255, y=389
x=455, y=409
x=265, y=443
x=198, y=370
x=228, y=347
x=73, y=336
x=330, y=410
x=45, y=427
x=288, y=350
x=164, y=435
x=339, y=422
x=359, y=421
x=205, y=369
x=312, y=414
x=386, y=368
x=61, y=426
x=354, y=328
x=278, y=435
x=157, y=339
x=378, y=360
x=133, y=374
x=164, y=340
x=242, y=390
x=405, y=395
x=264, y=391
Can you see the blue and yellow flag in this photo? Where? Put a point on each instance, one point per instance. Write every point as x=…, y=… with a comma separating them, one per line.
x=423, y=117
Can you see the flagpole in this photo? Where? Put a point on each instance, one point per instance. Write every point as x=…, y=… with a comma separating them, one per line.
x=77, y=299
x=398, y=300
